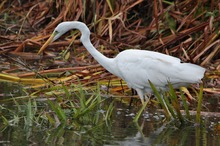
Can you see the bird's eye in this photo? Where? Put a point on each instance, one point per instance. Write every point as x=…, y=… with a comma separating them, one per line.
x=56, y=32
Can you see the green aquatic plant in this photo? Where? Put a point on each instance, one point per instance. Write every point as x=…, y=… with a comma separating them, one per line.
x=171, y=105
x=199, y=106
x=70, y=108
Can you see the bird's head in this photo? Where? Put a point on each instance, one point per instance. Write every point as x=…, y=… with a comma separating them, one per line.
x=61, y=29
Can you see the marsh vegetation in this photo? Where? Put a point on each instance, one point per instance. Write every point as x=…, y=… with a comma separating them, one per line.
x=65, y=97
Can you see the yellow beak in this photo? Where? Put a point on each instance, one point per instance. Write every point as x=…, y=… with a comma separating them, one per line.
x=46, y=44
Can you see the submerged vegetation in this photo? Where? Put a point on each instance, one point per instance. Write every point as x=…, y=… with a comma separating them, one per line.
x=67, y=88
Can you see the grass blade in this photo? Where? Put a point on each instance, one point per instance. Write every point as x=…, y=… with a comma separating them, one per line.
x=29, y=117
x=139, y=112
x=169, y=106
x=157, y=94
x=109, y=111
x=175, y=102
x=185, y=105
x=57, y=109
x=198, y=114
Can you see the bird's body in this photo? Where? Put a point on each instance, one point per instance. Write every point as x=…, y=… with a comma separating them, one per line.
x=137, y=67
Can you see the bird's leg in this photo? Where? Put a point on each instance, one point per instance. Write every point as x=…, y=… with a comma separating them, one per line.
x=141, y=95
x=146, y=98
x=142, y=101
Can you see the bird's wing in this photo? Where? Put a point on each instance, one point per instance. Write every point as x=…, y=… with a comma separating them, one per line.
x=137, y=68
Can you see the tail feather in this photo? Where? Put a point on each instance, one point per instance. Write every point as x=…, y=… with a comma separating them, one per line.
x=192, y=73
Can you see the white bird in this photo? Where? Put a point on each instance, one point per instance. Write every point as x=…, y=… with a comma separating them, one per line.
x=136, y=67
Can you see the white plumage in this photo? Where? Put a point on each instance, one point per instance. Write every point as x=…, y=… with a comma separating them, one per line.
x=137, y=67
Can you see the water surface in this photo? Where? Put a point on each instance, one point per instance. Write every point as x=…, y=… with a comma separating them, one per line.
x=151, y=128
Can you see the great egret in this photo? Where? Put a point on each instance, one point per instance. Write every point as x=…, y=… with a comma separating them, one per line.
x=136, y=67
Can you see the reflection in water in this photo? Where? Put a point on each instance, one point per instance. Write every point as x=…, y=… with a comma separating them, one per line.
x=120, y=131
x=155, y=133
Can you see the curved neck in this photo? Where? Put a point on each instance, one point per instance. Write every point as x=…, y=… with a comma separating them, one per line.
x=107, y=63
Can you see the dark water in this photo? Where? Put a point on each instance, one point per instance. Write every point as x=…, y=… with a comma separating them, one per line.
x=151, y=129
